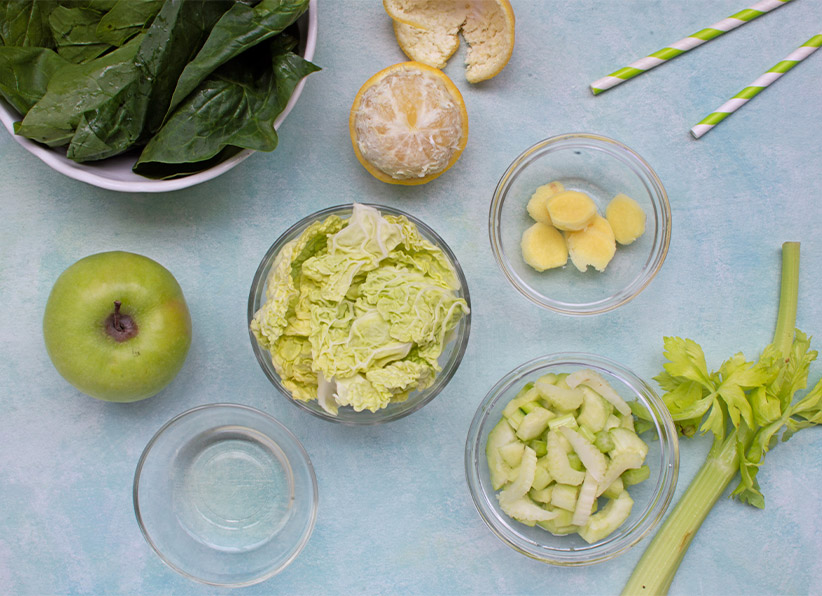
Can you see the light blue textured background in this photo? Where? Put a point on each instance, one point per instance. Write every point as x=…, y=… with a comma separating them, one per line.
x=395, y=514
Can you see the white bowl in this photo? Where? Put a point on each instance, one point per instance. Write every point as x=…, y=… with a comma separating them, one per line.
x=115, y=173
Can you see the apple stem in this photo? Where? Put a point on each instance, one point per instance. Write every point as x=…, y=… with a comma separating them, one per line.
x=119, y=326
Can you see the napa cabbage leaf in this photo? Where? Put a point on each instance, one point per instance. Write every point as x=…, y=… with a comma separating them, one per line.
x=359, y=311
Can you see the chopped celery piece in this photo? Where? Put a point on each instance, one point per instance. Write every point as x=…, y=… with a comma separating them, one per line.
x=628, y=441
x=549, y=378
x=603, y=522
x=542, y=495
x=593, y=380
x=563, y=420
x=525, y=510
x=530, y=407
x=561, y=398
x=561, y=525
x=525, y=478
x=565, y=496
x=534, y=423
x=538, y=445
x=617, y=466
x=512, y=453
x=523, y=397
x=502, y=434
x=613, y=490
x=586, y=433
x=558, y=464
x=593, y=460
x=603, y=441
x=627, y=422
x=575, y=462
x=541, y=478
x=516, y=417
x=594, y=411
x=585, y=501
x=636, y=475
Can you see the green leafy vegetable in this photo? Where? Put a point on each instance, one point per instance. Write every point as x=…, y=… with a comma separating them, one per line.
x=358, y=311
x=135, y=114
x=235, y=107
x=25, y=73
x=75, y=33
x=746, y=406
x=126, y=19
x=75, y=89
x=240, y=28
x=24, y=23
x=229, y=66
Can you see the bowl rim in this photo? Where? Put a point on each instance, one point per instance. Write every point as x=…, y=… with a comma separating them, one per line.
x=57, y=161
x=614, y=545
x=289, y=437
x=659, y=200
x=461, y=332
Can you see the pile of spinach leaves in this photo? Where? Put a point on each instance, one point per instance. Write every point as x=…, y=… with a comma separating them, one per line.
x=182, y=83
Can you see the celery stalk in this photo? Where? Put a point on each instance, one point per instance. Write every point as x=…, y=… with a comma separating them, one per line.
x=656, y=568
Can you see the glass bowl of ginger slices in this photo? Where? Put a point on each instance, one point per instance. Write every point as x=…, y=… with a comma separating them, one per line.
x=580, y=224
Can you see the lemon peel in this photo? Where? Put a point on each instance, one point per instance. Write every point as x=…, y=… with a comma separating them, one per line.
x=428, y=31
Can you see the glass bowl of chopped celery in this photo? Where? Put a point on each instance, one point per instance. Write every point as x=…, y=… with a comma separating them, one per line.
x=579, y=224
x=359, y=314
x=571, y=459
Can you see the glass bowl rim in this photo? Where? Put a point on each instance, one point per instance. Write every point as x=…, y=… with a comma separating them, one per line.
x=619, y=542
x=462, y=331
x=630, y=158
x=303, y=462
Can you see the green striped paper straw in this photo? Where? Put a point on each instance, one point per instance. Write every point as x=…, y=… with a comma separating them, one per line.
x=755, y=88
x=683, y=45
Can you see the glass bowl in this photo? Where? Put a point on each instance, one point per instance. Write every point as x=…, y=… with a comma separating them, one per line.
x=449, y=360
x=602, y=168
x=225, y=495
x=651, y=497
x=114, y=173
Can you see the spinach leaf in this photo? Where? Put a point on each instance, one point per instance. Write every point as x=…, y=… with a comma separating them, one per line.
x=235, y=107
x=98, y=5
x=75, y=33
x=240, y=28
x=25, y=23
x=126, y=19
x=25, y=73
x=74, y=89
x=134, y=114
x=116, y=116
x=174, y=38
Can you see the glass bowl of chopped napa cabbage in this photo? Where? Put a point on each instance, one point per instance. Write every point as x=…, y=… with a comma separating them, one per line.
x=359, y=314
x=154, y=96
x=571, y=459
x=579, y=224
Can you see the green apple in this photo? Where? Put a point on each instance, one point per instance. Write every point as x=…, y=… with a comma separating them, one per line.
x=117, y=326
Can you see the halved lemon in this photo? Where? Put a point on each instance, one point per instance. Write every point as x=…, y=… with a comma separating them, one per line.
x=408, y=124
x=428, y=31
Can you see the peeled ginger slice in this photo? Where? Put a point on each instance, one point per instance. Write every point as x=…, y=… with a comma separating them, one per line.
x=626, y=217
x=537, y=208
x=571, y=210
x=544, y=247
x=593, y=246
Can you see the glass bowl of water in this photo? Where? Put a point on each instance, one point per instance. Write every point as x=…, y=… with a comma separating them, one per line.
x=225, y=495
